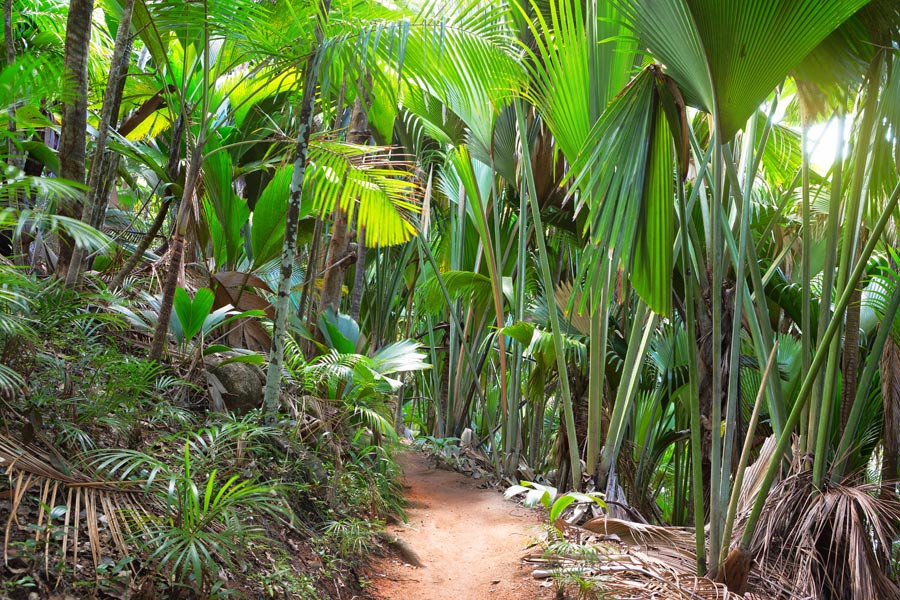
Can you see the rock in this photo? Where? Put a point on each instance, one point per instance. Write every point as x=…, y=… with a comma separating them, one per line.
x=235, y=387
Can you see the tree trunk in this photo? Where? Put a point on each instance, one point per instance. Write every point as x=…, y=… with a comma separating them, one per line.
x=172, y=172
x=850, y=357
x=289, y=248
x=359, y=278
x=311, y=270
x=333, y=279
x=10, y=59
x=13, y=159
x=104, y=164
x=890, y=395
x=160, y=334
x=339, y=246
x=73, y=131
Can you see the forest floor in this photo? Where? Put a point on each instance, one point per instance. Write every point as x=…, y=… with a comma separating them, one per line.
x=469, y=539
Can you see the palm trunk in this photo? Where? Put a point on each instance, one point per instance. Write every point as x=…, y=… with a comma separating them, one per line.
x=359, y=278
x=339, y=246
x=289, y=248
x=335, y=267
x=172, y=171
x=73, y=131
x=13, y=158
x=160, y=334
x=890, y=397
x=850, y=358
x=311, y=270
x=10, y=59
x=103, y=166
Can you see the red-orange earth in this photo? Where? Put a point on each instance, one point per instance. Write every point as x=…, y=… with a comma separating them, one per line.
x=470, y=541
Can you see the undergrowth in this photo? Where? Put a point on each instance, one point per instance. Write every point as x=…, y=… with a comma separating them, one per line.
x=124, y=485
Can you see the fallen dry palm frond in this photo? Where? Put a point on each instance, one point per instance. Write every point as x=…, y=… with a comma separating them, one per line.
x=622, y=571
x=829, y=543
x=35, y=474
x=811, y=545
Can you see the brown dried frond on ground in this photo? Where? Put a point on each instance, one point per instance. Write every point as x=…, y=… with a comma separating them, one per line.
x=810, y=544
x=56, y=482
x=622, y=571
x=835, y=542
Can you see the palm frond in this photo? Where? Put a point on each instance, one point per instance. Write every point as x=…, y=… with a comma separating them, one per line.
x=345, y=174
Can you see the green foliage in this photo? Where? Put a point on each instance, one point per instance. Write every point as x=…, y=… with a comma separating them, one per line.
x=207, y=520
x=548, y=496
x=353, y=537
x=192, y=313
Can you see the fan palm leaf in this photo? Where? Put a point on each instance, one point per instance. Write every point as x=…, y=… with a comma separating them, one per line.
x=728, y=56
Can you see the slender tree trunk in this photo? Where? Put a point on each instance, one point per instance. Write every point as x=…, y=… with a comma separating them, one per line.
x=156, y=226
x=160, y=334
x=359, y=278
x=890, y=394
x=289, y=248
x=339, y=246
x=333, y=279
x=73, y=131
x=104, y=164
x=850, y=358
x=13, y=158
x=311, y=269
x=889, y=367
x=313, y=265
x=10, y=59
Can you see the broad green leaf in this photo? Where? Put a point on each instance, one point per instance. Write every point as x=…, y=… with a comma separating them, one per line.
x=192, y=314
x=627, y=180
x=653, y=252
x=520, y=331
x=269, y=215
x=560, y=505
x=340, y=331
x=728, y=55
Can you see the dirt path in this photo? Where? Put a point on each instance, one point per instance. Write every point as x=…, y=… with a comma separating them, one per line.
x=470, y=540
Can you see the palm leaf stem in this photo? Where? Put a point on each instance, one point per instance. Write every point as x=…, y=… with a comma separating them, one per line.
x=454, y=318
x=745, y=457
x=566, y=394
x=850, y=239
x=806, y=387
x=690, y=326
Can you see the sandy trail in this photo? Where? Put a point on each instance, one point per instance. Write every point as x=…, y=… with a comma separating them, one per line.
x=470, y=540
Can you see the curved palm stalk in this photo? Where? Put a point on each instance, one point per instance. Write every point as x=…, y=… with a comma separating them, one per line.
x=73, y=132
x=176, y=252
x=566, y=399
x=832, y=236
x=12, y=155
x=10, y=59
x=359, y=277
x=850, y=239
x=597, y=368
x=464, y=169
x=721, y=469
x=289, y=248
x=739, y=473
x=182, y=220
x=804, y=394
x=103, y=165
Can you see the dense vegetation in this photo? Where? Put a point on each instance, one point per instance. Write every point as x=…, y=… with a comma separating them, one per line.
x=647, y=249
